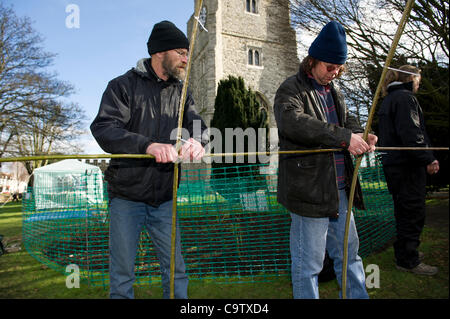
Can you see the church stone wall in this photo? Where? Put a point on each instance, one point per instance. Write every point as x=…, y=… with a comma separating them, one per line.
x=223, y=50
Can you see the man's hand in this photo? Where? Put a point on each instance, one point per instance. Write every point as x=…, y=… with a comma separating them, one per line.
x=358, y=146
x=433, y=167
x=192, y=150
x=164, y=153
x=372, y=140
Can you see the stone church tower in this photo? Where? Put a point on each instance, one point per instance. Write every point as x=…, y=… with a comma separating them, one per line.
x=248, y=38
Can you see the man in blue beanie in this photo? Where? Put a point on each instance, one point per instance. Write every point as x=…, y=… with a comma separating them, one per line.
x=311, y=113
x=138, y=112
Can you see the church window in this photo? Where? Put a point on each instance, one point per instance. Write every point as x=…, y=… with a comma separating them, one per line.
x=254, y=9
x=251, y=6
x=254, y=57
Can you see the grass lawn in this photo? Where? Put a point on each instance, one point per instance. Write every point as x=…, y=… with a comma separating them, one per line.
x=23, y=277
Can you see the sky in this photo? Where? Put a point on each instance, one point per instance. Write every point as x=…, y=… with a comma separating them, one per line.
x=110, y=39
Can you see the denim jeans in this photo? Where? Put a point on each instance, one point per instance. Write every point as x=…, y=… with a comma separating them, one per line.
x=309, y=238
x=127, y=219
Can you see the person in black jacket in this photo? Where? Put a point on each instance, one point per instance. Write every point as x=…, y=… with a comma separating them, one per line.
x=401, y=123
x=138, y=114
x=311, y=114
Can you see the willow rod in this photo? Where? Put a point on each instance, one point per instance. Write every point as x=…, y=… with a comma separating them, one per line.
x=392, y=49
x=177, y=147
x=147, y=156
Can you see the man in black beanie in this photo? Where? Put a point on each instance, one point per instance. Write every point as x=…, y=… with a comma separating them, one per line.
x=310, y=113
x=167, y=37
x=137, y=114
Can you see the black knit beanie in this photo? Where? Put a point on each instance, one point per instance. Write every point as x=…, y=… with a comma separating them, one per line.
x=166, y=36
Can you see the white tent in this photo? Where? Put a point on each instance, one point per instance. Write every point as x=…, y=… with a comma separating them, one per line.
x=67, y=184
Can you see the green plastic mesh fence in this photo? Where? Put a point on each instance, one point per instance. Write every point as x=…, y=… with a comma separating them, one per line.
x=232, y=228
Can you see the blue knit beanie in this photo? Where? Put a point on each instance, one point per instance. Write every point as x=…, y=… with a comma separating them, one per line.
x=330, y=45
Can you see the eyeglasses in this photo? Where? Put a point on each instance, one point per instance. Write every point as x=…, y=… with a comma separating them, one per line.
x=332, y=67
x=183, y=54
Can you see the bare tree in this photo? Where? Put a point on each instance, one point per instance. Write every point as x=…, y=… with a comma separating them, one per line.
x=25, y=84
x=19, y=172
x=427, y=30
x=370, y=26
x=51, y=128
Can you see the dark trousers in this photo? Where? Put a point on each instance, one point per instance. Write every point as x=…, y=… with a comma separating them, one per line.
x=407, y=183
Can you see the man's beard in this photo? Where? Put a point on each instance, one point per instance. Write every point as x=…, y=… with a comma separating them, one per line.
x=172, y=70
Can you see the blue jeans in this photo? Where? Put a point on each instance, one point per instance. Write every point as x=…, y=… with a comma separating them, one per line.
x=309, y=238
x=127, y=218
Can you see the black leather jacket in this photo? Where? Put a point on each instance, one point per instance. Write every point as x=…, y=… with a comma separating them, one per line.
x=401, y=123
x=307, y=183
x=138, y=108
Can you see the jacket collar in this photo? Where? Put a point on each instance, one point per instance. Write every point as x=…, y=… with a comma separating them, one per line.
x=144, y=68
x=304, y=79
x=400, y=86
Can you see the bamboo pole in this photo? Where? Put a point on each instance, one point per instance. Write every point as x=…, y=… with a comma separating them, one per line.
x=392, y=49
x=146, y=156
x=177, y=147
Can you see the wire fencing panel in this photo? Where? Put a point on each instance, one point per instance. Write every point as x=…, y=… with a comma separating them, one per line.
x=232, y=228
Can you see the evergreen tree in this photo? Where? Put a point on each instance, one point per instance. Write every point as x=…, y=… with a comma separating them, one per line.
x=237, y=107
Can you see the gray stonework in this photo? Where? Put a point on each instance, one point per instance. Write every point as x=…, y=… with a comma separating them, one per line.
x=223, y=50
